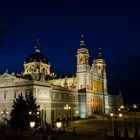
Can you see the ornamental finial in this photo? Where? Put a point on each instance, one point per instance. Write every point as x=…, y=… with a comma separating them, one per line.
x=100, y=55
x=37, y=45
x=82, y=42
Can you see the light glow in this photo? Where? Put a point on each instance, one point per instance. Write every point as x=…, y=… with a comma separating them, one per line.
x=30, y=113
x=119, y=109
x=32, y=124
x=120, y=115
x=67, y=107
x=134, y=106
x=76, y=111
x=58, y=125
x=111, y=114
x=122, y=106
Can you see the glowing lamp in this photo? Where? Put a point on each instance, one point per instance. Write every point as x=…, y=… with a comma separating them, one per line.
x=119, y=109
x=122, y=106
x=76, y=111
x=111, y=114
x=58, y=125
x=134, y=106
x=32, y=124
x=120, y=115
x=30, y=113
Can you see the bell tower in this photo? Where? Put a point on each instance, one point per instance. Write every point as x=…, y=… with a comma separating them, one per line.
x=101, y=69
x=82, y=65
x=82, y=75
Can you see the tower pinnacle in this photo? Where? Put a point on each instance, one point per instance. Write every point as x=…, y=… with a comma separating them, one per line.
x=82, y=42
x=37, y=46
x=100, y=55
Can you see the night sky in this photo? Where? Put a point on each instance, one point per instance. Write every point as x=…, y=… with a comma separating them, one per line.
x=113, y=25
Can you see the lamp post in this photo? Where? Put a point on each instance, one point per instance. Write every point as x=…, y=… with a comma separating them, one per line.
x=4, y=113
x=58, y=125
x=135, y=107
x=32, y=125
x=121, y=111
x=34, y=117
x=133, y=123
x=67, y=108
x=120, y=115
x=111, y=114
x=122, y=107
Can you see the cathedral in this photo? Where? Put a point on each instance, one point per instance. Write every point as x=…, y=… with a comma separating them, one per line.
x=81, y=95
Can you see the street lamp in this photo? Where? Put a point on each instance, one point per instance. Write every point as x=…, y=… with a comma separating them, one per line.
x=135, y=106
x=34, y=116
x=133, y=121
x=122, y=106
x=120, y=115
x=32, y=125
x=67, y=108
x=4, y=113
x=111, y=114
x=58, y=125
x=30, y=112
x=76, y=112
x=121, y=109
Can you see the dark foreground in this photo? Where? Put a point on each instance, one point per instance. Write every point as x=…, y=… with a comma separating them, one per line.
x=61, y=136
x=88, y=129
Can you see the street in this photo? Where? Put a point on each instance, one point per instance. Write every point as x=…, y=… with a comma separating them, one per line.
x=101, y=127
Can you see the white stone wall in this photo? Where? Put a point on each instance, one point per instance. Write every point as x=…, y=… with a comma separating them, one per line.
x=48, y=97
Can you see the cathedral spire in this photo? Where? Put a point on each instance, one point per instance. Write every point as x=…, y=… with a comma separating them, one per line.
x=100, y=55
x=37, y=46
x=82, y=42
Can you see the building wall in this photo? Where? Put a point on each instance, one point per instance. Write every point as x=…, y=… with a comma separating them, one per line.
x=51, y=98
x=71, y=82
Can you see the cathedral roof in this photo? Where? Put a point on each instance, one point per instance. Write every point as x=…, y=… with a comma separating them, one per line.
x=37, y=56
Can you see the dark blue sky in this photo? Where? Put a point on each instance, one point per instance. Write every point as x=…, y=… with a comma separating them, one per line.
x=112, y=25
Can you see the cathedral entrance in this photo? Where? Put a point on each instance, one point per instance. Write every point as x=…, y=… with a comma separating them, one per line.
x=96, y=106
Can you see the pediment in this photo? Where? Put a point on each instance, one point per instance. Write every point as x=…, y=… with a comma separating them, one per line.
x=6, y=76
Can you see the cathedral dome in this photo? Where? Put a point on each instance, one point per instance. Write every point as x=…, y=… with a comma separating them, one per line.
x=37, y=55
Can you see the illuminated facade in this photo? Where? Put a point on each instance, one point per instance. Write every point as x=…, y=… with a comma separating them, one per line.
x=90, y=82
x=85, y=93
